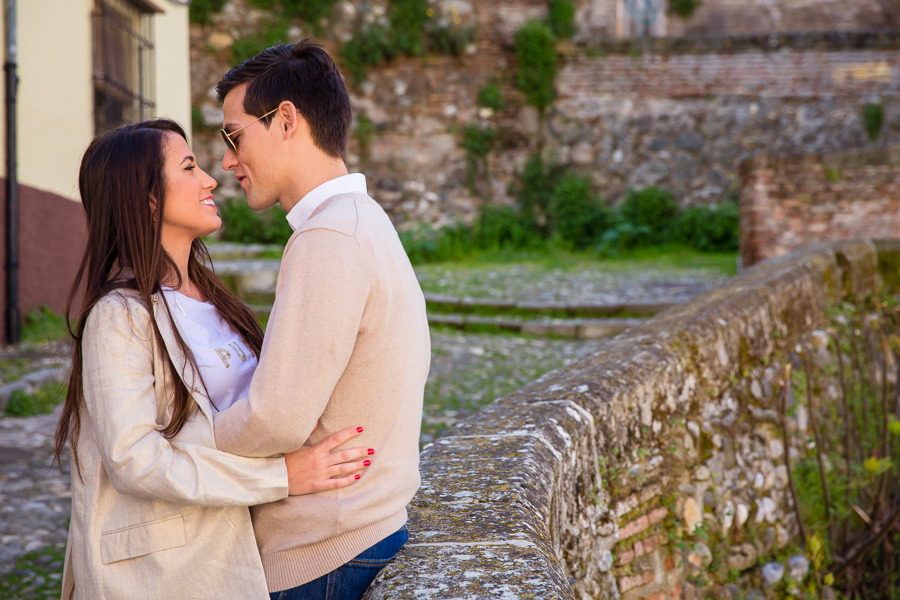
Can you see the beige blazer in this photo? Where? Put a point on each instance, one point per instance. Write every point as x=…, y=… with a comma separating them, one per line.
x=156, y=518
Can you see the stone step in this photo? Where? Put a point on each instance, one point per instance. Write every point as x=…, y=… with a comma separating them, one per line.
x=222, y=251
x=466, y=304
x=248, y=274
x=582, y=329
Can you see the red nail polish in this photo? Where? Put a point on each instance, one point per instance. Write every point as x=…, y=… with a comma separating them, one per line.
x=357, y=476
x=359, y=430
x=367, y=462
x=371, y=451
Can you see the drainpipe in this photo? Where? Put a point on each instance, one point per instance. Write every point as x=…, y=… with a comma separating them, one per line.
x=13, y=317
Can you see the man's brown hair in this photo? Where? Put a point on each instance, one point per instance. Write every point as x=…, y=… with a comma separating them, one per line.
x=301, y=73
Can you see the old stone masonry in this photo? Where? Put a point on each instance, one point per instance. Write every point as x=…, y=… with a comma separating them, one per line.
x=35, y=499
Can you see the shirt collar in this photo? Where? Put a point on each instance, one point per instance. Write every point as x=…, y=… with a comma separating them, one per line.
x=354, y=182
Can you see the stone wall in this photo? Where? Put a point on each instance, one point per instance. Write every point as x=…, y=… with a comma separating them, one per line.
x=681, y=113
x=592, y=481
x=739, y=17
x=787, y=202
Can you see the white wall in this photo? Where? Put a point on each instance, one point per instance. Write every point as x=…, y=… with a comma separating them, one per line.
x=56, y=103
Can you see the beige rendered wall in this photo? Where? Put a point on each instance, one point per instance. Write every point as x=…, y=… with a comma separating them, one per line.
x=55, y=102
x=173, y=64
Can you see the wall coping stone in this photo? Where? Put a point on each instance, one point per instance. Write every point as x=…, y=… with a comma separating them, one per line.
x=512, y=501
x=833, y=41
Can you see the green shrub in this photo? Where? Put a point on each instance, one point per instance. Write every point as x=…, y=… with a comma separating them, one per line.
x=243, y=224
x=426, y=244
x=201, y=10
x=43, y=325
x=683, y=8
x=536, y=54
x=478, y=143
x=873, y=120
x=368, y=47
x=653, y=208
x=505, y=227
x=491, y=97
x=272, y=33
x=364, y=132
x=534, y=189
x=709, y=229
x=577, y=216
x=620, y=237
x=40, y=402
x=310, y=11
x=561, y=17
x=450, y=40
x=407, y=24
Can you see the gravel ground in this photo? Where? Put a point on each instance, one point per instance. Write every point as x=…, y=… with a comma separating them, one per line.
x=470, y=370
x=525, y=282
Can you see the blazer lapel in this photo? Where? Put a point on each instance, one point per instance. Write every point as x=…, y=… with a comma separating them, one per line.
x=189, y=375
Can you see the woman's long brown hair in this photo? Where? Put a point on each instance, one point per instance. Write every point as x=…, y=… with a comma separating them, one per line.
x=120, y=172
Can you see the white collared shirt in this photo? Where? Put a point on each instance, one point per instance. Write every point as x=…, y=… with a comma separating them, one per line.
x=300, y=214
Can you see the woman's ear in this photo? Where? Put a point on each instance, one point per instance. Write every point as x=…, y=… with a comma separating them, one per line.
x=153, y=205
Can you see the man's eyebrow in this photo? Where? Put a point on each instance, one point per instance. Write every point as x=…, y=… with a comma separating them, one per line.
x=229, y=126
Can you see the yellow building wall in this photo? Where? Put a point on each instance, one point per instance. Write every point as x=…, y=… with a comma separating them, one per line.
x=173, y=64
x=56, y=103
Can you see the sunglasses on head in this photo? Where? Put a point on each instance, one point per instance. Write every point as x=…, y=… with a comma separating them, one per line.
x=227, y=136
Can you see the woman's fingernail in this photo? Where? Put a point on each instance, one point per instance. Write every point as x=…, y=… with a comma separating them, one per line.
x=367, y=462
x=359, y=430
x=357, y=476
x=371, y=451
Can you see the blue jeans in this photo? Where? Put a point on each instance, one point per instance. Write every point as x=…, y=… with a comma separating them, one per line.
x=349, y=581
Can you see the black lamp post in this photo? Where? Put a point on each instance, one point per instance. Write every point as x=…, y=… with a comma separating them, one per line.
x=13, y=317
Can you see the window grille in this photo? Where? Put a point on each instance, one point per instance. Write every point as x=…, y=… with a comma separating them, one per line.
x=124, y=73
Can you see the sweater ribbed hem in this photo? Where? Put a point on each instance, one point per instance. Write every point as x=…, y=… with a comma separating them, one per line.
x=291, y=568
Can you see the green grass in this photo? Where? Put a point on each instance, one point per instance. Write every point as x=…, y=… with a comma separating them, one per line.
x=43, y=325
x=668, y=256
x=40, y=402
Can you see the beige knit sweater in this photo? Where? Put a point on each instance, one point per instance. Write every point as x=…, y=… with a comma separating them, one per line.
x=347, y=344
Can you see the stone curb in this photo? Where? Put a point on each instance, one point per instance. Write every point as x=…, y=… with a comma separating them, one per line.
x=29, y=382
x=582, y=329
x=467, y=303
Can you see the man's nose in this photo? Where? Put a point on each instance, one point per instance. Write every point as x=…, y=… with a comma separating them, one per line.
x=229, y=160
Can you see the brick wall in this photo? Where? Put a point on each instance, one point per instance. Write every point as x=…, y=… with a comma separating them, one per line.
x=52, y=235
x=739, y=17
x=787, y=202
x=785, y=74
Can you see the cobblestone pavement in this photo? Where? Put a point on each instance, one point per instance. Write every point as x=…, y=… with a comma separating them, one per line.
x=468, y=371
x=35, y=504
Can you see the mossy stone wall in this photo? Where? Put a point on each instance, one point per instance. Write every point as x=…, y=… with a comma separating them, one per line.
x=582, y=484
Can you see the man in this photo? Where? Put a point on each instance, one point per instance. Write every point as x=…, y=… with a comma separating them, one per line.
x=347, y=341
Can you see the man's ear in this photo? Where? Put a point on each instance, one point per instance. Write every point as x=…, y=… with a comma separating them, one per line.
x=290, y=118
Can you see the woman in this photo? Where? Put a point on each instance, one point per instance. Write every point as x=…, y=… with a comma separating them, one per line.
x=157, y=511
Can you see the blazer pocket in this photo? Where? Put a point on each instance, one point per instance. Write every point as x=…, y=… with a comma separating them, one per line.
x=139, y=540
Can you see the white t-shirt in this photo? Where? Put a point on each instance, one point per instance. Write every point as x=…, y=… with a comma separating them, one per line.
x=225, y=361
